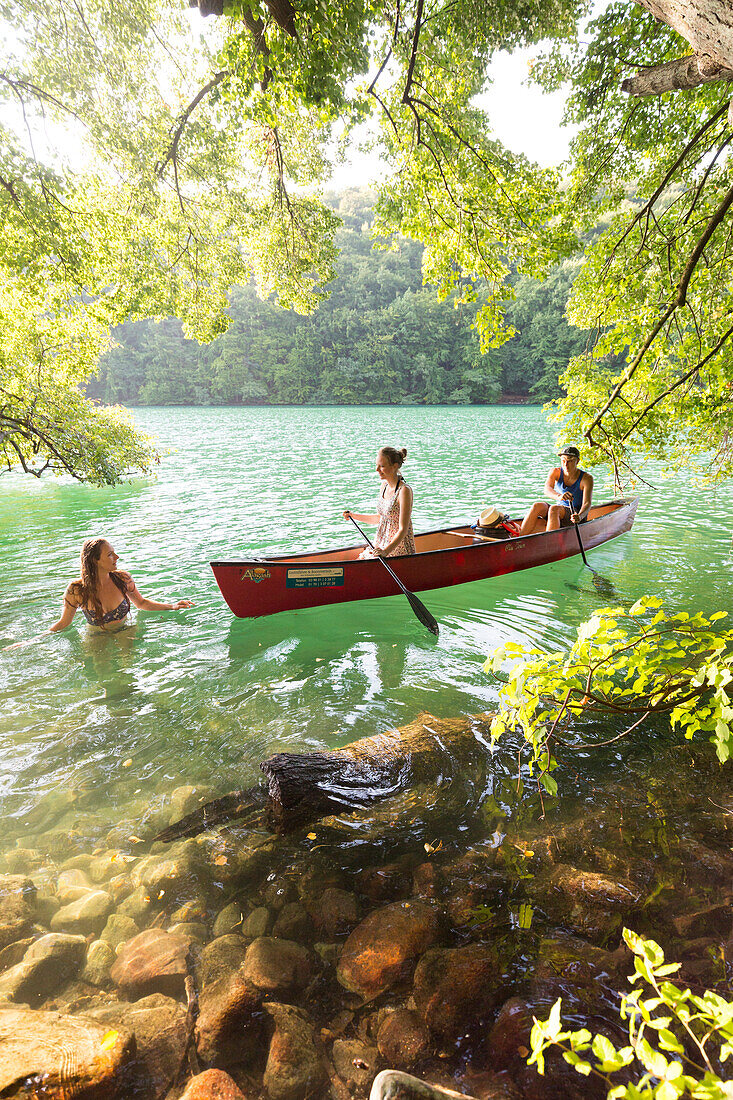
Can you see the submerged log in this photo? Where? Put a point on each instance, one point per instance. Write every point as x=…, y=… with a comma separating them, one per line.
x=305, y=786
x=302, y=787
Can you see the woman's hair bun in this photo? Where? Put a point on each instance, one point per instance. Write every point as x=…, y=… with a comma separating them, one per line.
x=403, y=452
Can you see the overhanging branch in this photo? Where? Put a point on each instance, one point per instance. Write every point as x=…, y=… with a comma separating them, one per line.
x=677, y=75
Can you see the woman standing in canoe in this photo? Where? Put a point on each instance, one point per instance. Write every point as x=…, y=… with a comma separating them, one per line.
x=394, y=537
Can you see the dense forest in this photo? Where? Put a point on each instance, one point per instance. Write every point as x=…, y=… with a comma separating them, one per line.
x=380, y=337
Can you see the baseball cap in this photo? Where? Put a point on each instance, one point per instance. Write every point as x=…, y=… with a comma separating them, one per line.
x=571, y=452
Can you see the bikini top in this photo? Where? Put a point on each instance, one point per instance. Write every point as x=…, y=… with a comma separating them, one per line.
x=116, y=615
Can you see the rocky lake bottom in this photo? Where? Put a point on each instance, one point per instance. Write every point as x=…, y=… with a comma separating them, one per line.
x=243, y=963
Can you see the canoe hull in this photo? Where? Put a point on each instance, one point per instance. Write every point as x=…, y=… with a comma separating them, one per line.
x=266, y=586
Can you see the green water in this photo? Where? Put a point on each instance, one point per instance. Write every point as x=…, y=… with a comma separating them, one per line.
x=198, y=696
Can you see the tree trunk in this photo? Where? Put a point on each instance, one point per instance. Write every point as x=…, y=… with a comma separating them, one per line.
x=302, y=787
x=708, y=26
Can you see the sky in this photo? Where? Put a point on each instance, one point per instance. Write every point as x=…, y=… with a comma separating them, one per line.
x=525, y=120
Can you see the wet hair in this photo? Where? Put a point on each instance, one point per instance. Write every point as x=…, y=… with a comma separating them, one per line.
x=85, y=590
x=395, y=456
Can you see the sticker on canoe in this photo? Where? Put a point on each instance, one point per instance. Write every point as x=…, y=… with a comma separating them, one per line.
x=314, y=578
x=256, y=574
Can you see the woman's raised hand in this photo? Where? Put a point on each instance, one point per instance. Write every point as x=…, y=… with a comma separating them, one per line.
x=347, y=514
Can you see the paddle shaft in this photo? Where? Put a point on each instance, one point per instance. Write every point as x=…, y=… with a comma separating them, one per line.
x=383, y=560
x=420, y=610
x=580, y=544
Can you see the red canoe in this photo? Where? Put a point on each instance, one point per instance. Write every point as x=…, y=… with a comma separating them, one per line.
x=263, y=586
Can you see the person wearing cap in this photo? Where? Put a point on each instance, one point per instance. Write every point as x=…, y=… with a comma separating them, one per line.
x=573, y=490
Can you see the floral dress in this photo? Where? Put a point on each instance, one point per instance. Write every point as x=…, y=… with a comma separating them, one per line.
x=389, y=522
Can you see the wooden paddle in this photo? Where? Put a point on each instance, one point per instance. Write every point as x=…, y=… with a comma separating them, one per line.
x=419, y=608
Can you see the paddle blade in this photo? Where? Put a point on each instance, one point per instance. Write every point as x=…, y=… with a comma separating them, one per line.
x=604, y=587
x=422, y=613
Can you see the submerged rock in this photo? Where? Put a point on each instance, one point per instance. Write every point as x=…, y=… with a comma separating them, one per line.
x=71, y=885
x=176, y=874
x=295, y=1067
x=229, y=919
x=159, y=1026
x=712, y=918
x=257, y=924
x=277, y=966
x=153, y=962
x=119, y=929
x=393, y=1084
x=229, y=1025
x=356, y=1063
x=71, y=1055
x=380, y=950
x=186, y=799
x=403, y=1038
x=455, y=988
x=222, y=956
x=138, y=905
x=509, y=1036
x=293, y=922
x=334, y=911
x=46, y=907
x=14, y=952
x=100, y=960
x=212, y=1084
x=48, y=964
x=565, y=886
x=17, y=903
x=88, y=914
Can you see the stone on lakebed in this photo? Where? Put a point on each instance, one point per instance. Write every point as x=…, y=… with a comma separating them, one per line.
x=295, y=1068
x=88, y=914
x=229, y=1024
x=212, y=1084
x=381, y=948
x=152, y=962
x=159, y=1026
x=17, y=901
x=455, y=987
x=48, y=964
x=72, y=1055
x=276, y=966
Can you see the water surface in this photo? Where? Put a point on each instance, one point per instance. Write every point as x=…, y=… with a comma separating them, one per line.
x=200, y=697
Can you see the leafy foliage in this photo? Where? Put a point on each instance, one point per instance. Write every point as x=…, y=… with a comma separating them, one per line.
x=655, y=284
x=627, y=663
x=678, y=1040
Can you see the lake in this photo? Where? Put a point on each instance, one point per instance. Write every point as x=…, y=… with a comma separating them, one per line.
x=97, y=732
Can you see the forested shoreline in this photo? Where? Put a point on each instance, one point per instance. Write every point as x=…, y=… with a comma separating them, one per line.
x=380, y=338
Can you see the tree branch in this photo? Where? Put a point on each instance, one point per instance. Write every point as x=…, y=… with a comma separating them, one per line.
x=672, y=76
x=172, y=152
x=678, y=301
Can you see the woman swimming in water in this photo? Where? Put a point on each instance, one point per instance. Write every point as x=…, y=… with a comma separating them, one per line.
x=103, y=592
